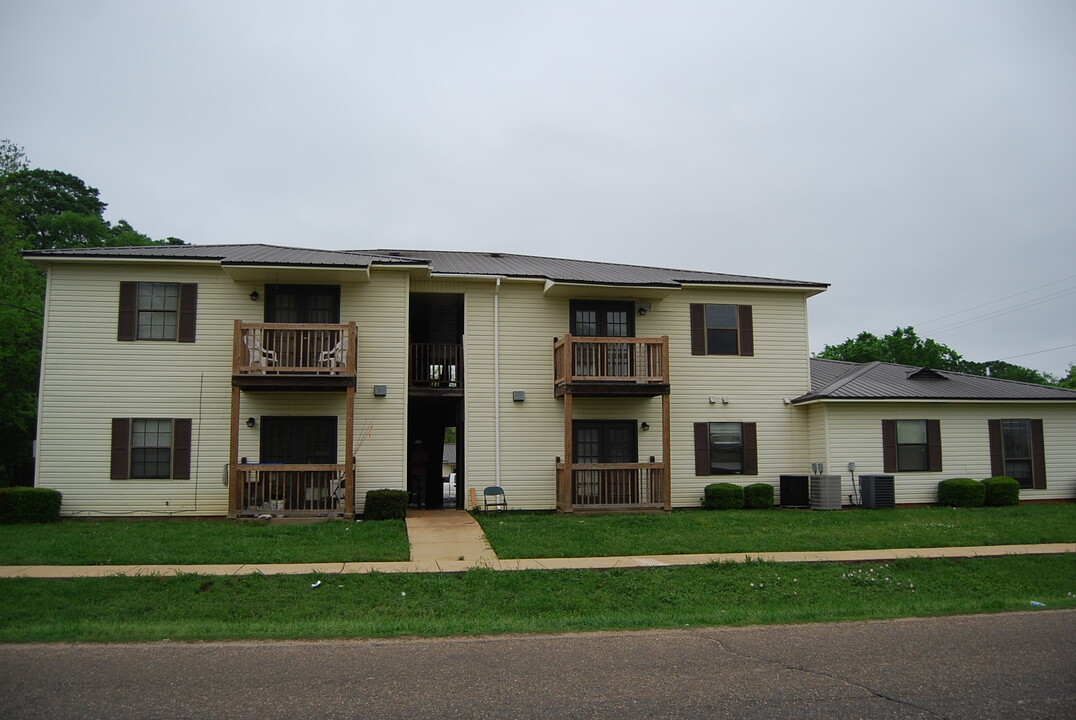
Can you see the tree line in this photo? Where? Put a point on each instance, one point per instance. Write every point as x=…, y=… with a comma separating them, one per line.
x=39, y=210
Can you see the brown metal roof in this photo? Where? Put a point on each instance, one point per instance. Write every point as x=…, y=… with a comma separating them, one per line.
x=439, y=261
x=574, y=271
x=838, y=380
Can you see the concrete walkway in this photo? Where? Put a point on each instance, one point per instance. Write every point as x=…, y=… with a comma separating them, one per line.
x=452, y=541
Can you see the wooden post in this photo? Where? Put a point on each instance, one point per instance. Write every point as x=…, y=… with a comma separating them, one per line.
x=233, y=455
x=349, y=461
x=567, y=501
x=666, y=443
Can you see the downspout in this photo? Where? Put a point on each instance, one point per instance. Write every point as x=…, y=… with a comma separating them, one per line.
x=497, y=383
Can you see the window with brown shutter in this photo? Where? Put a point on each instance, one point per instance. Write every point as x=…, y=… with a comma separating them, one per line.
x=157, y=311
x=726, y=448
x=151, y=448
x=1018, y=450
x=722, y=329
x=911, y=446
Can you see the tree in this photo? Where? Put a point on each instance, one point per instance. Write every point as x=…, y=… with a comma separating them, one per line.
x=904, y=347
x=1069, y=381
x=39, y=209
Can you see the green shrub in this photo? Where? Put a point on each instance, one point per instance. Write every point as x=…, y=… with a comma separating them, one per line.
x=723, y=496
x=758, y=496
x=29, y=505
x=1002, y=491
x=386, y=505
x=961, y=492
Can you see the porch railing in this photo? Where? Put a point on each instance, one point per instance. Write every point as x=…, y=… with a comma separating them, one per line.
x=610, y=485
x=436, y=365
x=604, y=359
x=292, y=490
x=294, y=348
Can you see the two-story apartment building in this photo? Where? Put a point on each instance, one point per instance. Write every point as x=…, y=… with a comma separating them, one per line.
x=248, y=380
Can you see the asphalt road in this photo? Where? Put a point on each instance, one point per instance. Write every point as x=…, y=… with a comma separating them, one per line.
x=987, y=666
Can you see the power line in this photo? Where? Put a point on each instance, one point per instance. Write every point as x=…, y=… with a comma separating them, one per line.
x=1038, y=352
x=994, y=302
x=999, y=313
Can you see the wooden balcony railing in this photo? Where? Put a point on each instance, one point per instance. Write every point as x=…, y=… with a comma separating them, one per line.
x=294, y=490
x=294, y=348
x=631, y=360
x=436, y=365
x=611, y=486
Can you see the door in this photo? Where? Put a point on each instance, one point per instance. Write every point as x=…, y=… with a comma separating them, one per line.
x=298, y=304
x=605, y=441
x=292, y=440
x=603, y=319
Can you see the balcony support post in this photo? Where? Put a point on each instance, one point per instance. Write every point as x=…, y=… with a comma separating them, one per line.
x=233, y=456
x=666, y=447
x=349, y=455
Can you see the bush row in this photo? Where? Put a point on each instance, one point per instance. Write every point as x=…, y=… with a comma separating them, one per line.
x=730, y=496
x=966, y=492
x=29, y=505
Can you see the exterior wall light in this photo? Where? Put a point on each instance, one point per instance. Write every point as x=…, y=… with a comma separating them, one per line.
x=645, y=426
x=251, y=422
x=254, y=296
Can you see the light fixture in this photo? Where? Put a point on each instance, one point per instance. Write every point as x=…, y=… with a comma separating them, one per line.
x=642, y=311
x=254, y=296
x=251, y=422
x=645, y=426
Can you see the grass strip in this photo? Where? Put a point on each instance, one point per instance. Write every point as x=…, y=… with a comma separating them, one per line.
x=532, y=534
x=142, y=542
x=193, y=607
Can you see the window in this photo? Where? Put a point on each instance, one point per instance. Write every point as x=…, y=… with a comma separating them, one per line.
x=151, y=448
x=726, y=448
x=157, y=311
x=911, y=446
x=722, y=330
x=1017, y=450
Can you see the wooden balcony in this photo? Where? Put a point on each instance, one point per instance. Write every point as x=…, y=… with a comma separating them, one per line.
x=436, y=369
x=612, y=487
x=611, y=366
x=293, y=490
x=293, y=356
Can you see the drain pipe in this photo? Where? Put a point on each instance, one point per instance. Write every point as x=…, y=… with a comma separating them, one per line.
x=497, y=383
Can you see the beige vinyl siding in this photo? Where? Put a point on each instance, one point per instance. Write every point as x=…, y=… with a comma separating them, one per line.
x=855, y=435
x=88, y=378
x=379, y=309
x=756, y=386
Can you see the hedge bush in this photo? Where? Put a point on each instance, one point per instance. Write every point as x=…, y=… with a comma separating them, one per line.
x=961, y=492
x=29, y=505
x=758, y=496
x=1002, y=491
x=386, y=505
x=723, y=496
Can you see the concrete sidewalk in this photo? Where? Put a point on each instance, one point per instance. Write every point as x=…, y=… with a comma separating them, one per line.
x=452, y=541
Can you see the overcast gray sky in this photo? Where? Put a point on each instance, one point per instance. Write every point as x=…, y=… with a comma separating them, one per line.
x=920, y=156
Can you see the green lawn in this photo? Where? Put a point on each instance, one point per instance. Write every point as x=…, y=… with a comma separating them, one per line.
x=193, y=607
x=522, y=535
x=136, y=542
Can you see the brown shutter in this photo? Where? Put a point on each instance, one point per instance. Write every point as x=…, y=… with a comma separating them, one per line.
x=747, y=331
x=997, y=455
x=698, y=332
x=181, y=449
x=121, y=442
x=934, y=449
x=1038, y=455
x=889, y=446
x=188, y=310
x=702, y=448
x=750, y=449
x=128, y=318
